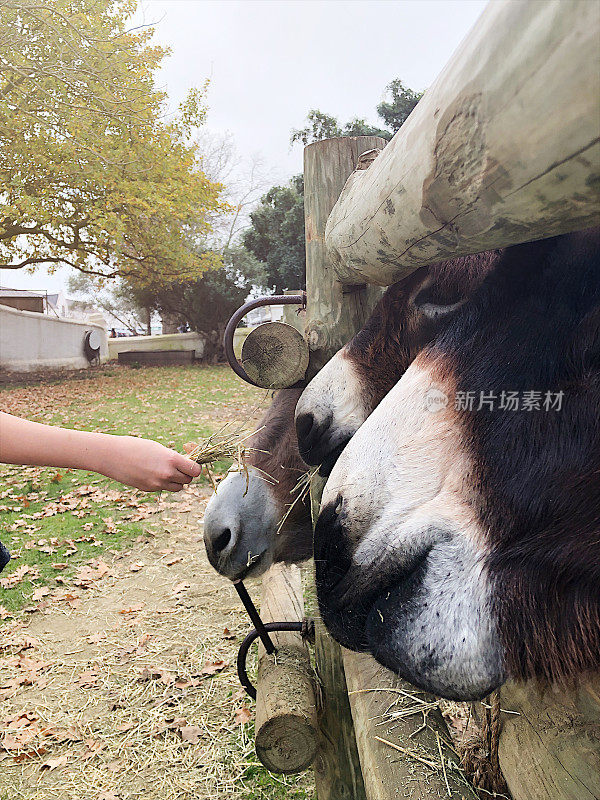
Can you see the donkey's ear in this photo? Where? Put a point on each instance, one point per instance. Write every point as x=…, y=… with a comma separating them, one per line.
x=434, y=307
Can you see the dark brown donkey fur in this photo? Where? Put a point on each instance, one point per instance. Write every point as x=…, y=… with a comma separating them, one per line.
x=275, y=453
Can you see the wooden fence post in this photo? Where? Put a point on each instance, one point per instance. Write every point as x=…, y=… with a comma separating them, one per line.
x=333, y=314
x=332, y=318
x=286, y=708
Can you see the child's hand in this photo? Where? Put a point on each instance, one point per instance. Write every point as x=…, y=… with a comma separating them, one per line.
x=148, y=465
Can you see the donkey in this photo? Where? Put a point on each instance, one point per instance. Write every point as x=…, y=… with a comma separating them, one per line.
x=242, y=519
x=243, y=533
x=459, y=533
x=409, y=316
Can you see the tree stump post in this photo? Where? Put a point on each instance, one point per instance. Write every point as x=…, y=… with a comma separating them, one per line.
x=286, y=709
x=332, y=318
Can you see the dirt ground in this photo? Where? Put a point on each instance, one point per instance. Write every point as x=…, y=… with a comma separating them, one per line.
x=133, y=691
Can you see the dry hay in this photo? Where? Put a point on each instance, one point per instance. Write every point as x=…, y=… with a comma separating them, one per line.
x=227, y=443
x=445, y=759
x=301, y=490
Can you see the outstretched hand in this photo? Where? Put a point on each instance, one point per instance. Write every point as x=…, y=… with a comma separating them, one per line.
x=149, y=466
x=141, y=463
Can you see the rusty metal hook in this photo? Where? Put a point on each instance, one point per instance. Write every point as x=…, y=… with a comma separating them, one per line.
x=267, y=300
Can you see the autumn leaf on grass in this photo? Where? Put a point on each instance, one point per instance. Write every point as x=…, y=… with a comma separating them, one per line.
x=227, y=634
x=5, y=613
x=72, y=600
x=63, y=735
x=155, y=673
x=54, y=763
x=26, y=755
x=137, y=566
x=17, y=576
x=190, y=733
x=93, y=747
x=212, y=669
x=40, y=592
x=181, y=587
x=173, y=560
x=95, y=638
x=242, y=715
x=89, y=574
x=132, y=609
x=182, y=684
x=88, y=679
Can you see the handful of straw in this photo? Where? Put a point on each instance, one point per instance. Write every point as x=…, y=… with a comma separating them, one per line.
x=223, y=444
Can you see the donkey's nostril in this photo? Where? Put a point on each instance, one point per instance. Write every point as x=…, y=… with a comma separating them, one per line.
x=313, y=437
x=304, y=426
x=221, y=541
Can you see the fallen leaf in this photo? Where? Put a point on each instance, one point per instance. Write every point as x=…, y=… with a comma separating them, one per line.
x=212, y=669
x=155, y=673
x=185, y=684
x=28, y=754
x=96, y=637
x=173, y=560
x=17, y=576
x=137, y=566
x=88, y=679
x=181, y=587
x=53, y=763
x=132, y=609
x=40, y=592
x=227, y=634
x=190, y=733
x=242, y=715
x=93, y=747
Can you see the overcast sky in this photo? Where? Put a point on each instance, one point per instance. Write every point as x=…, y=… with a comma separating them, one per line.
x=270, y=61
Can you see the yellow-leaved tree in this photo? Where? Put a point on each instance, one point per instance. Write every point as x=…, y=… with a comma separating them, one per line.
x=92, y=173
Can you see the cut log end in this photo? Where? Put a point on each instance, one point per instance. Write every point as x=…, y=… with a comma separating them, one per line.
x=286, y=744
x=286, y=707
x=275, y=355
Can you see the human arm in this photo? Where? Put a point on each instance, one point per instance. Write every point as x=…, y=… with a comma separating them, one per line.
x=141, y=463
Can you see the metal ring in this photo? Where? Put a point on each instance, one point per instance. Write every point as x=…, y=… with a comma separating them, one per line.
x=267, y=300
x=245, y=646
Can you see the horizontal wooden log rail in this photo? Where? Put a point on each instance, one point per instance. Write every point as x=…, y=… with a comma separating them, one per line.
x=503, y=148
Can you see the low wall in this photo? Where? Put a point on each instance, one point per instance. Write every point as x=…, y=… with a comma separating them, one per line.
x=164, y=341
x=239, y=337
x=30, y=341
